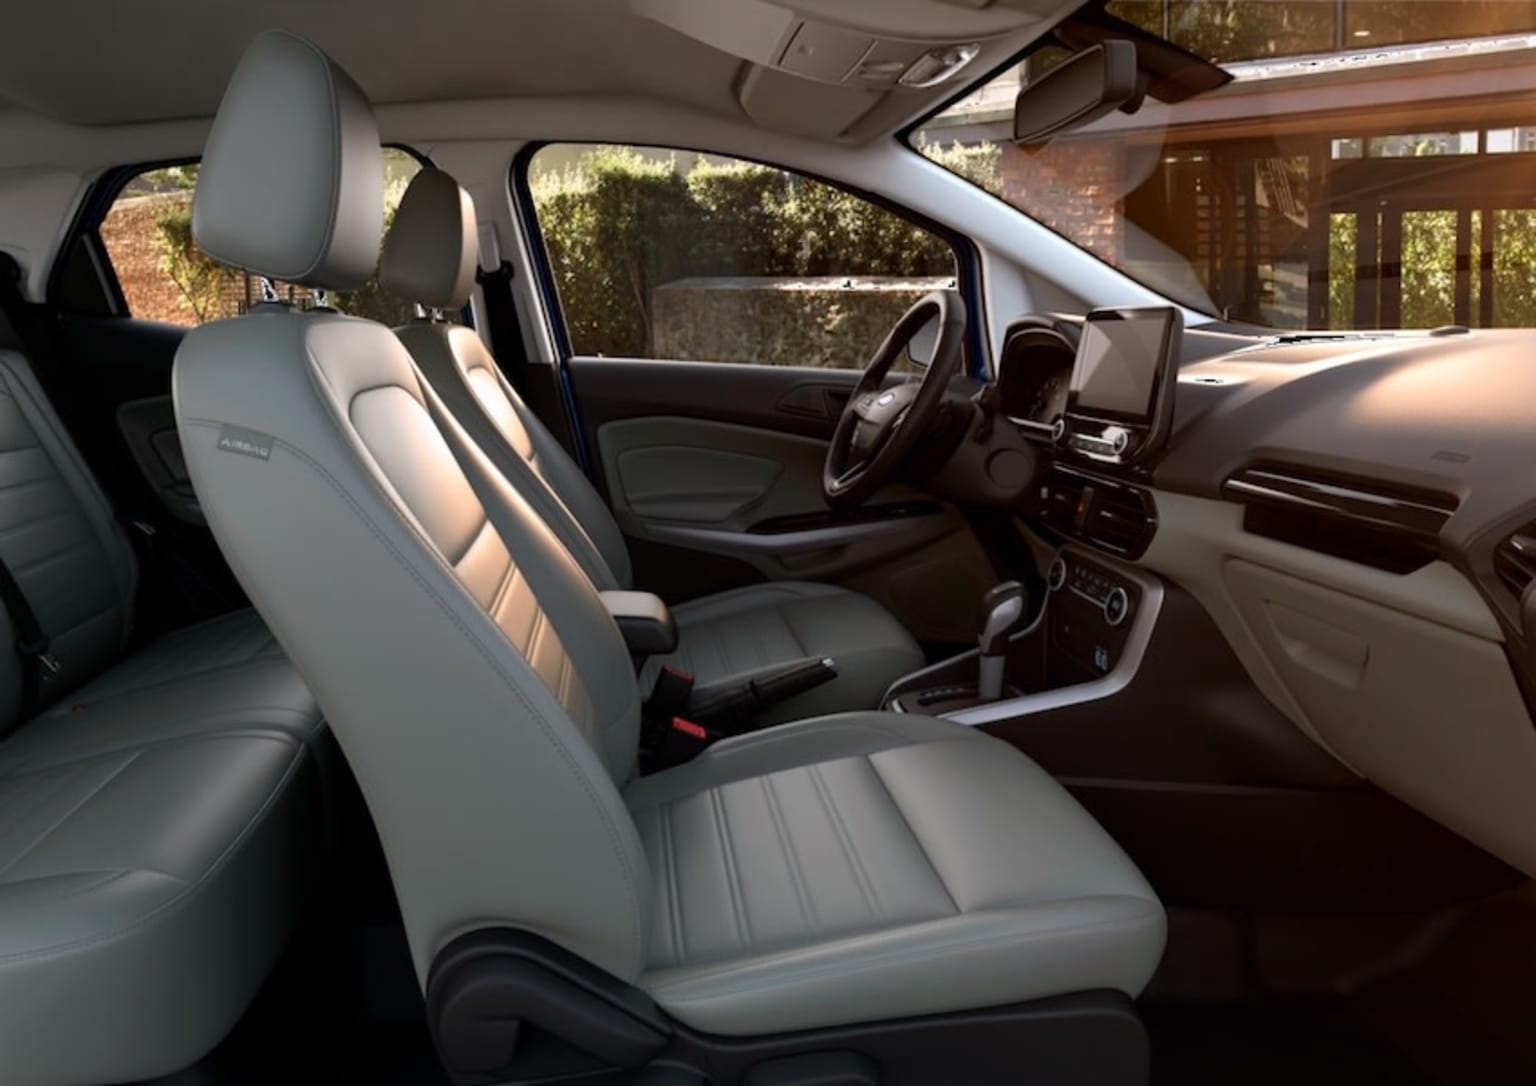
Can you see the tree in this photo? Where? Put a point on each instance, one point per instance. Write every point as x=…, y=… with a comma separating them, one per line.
x=205, y=284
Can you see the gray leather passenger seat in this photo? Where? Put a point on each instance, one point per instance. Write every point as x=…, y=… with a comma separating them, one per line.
x=159, y=814
x=850, y=869
x=724, y=639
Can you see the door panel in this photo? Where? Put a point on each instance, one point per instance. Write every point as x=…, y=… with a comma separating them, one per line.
x=725, y=460
x=695, y=483
x=148, y=427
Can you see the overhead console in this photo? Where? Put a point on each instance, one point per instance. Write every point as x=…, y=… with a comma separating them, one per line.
x=828, y=69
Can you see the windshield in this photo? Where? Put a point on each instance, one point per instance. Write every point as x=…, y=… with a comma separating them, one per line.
x=1371, y=164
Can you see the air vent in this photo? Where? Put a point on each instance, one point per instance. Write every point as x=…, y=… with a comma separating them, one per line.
x=1514, y=560
x=1369, y=521
x=1063, y=493
x=1120, y=520
x=1115, y=517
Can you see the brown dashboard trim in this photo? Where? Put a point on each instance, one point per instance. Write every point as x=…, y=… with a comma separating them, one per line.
x=1377, y=524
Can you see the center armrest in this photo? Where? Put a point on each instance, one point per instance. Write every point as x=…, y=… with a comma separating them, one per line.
x=644, y=620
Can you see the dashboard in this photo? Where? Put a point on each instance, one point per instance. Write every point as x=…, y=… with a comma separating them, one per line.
x=1357, y=514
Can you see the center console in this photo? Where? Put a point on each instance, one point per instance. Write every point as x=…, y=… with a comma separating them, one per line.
x=1086, y=644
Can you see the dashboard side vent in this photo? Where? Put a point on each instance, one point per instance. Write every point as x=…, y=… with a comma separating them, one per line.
x=1374, y=522
x=1514, y=559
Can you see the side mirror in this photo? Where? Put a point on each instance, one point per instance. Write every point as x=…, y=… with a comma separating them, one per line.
x=1077, y=92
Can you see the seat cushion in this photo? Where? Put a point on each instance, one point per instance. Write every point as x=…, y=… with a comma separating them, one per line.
x=220, y=644
x=874, y=866
x=731, y=637
x=143, y=897
x=224, y=675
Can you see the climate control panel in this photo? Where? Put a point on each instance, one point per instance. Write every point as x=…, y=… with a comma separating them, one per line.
x=1091, y=608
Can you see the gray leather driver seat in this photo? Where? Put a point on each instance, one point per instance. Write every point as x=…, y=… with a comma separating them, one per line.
x=724, y=639
x=847, y=869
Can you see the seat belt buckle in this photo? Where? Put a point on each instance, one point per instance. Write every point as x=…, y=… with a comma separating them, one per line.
x=689, y=728
x=42, y=652
x=681, y=741
x=667, y=703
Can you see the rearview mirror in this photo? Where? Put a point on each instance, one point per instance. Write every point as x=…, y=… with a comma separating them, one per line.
x=1077, y=92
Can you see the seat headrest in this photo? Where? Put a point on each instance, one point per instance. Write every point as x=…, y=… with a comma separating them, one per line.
x=292, y=180
x=432, y=249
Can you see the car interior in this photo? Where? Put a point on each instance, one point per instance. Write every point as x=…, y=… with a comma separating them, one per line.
x=767, y=543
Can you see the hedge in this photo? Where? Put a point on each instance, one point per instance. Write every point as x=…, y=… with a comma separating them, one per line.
x=617, y=224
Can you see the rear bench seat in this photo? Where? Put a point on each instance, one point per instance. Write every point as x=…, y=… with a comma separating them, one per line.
x=158, y=815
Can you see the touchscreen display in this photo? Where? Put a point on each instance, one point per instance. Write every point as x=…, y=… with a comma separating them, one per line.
x=1119, y=362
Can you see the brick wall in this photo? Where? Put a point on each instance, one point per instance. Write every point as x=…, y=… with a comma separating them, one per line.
x=131, y=234
x=1072, y=187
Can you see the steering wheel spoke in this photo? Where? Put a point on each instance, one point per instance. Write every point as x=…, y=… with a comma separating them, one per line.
x=880, y=426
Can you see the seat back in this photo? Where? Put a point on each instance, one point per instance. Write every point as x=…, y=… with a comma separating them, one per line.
x=479, y=689
x=60, y=541
x=429, y=258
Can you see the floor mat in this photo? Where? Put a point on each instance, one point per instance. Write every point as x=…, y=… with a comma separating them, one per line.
x=1272, y=1042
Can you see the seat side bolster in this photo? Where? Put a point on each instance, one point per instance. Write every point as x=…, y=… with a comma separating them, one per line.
x=449, y=357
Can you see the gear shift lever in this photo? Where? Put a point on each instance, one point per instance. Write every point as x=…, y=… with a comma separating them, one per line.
x=1002, y=608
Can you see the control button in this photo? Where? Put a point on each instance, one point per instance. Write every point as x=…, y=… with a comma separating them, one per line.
x=1058, y=429
x=1116, y=606
x=1056, y=575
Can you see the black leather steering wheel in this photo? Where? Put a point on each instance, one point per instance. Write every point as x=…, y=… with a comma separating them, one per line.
x=880, y=426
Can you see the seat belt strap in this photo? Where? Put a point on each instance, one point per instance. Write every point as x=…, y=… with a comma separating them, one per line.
x=38, y=664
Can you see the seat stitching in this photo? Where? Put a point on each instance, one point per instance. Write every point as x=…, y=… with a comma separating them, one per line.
x=794, y=635
x=743, y=923
x=845, y=841
x=755, y=629
x=550, y=735
x=787, y=843
x=301, y=753
x=674, y=893
x=722, y=650
x=46, y=518
x=30, y=769
x=111, y=692
x=567, y=672
x=507, y=574
x=49, y=560
x=535, y=636
x=938, y=876
x=23, y=484
x=15, y=800
x=106, y=877
x=67, y=815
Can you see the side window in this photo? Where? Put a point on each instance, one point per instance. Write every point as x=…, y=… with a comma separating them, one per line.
x=147, y=236
x=669, y=254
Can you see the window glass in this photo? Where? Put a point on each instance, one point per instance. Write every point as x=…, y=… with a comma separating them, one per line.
x=147, y=234
x=668, y=254
x=1226, y=30
x=1366, y=167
